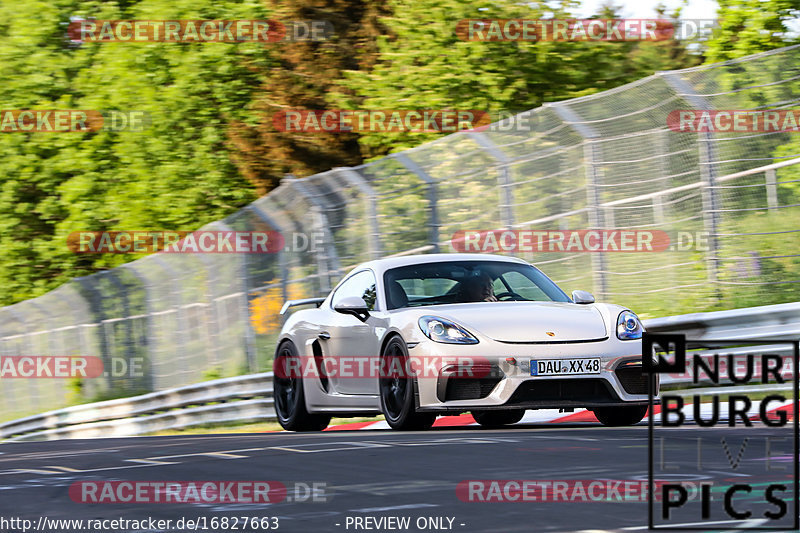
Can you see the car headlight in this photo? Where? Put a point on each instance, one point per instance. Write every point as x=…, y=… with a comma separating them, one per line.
x=629, y=327
x=442, y=330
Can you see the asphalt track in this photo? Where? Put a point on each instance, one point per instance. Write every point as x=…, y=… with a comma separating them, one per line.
x=384, y=473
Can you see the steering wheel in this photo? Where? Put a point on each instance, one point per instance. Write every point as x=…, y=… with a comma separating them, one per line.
x=509, y=296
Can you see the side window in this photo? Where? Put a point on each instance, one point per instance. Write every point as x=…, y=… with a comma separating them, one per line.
x=361, y=284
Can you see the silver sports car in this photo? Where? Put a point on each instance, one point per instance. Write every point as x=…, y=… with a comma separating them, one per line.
x=417, y=337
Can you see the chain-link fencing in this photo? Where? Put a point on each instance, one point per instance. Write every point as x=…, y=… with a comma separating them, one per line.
x=609, y=160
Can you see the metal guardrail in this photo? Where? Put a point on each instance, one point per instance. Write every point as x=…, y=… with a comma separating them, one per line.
x=245, y=398
x=249, y=398
x=750, y=389
x=769, y=322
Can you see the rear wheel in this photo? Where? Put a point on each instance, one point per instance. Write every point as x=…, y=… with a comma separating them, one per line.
x=620, y=416
x=290, y=401
x=397, y=390
x=496, y=419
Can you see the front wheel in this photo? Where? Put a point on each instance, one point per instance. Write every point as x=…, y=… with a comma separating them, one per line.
x=397, y=390
x=620, y=416
x=290, y=401
x=496, y=419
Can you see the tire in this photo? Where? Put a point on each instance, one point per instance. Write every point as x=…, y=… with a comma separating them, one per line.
x=290, y=400
x=496, y=419
x=620, y=416
x=397, y=390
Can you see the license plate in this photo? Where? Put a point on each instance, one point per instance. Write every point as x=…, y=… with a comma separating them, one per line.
x=564, y=367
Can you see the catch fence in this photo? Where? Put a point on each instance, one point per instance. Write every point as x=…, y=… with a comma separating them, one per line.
x=608, y=160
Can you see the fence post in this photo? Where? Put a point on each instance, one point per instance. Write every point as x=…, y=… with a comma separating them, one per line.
x=282, y=262
x=213, y=348
x=370, y=207
x=177, y=300
x=433, y=196
x=32, y=384
x=327, y=260
x=592, y=162
x=772, y=188
x=664, y=167
x=708, y=174
x=249, y=334
x=96, y=309
x=150, y=379
x=52, y=345
x=128, y=347
x=503, y=176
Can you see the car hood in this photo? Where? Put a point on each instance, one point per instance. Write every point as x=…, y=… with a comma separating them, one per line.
x=526, y=321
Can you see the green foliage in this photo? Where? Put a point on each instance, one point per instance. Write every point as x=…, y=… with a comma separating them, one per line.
x=210, y=147
x=424, y=64
x=751, y=26
x=303, y=76
x=212, y=374
x=176, y=174
x=763, y=256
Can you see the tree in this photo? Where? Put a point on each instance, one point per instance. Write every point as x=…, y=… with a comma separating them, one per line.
x=175, y=174
x=303, y=75
x=424, y=64
x=751, y=26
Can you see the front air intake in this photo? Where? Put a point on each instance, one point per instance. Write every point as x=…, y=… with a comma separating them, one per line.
x=473, y=384
x=633, y=380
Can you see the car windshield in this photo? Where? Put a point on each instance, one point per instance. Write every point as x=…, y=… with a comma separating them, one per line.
x=468, y=281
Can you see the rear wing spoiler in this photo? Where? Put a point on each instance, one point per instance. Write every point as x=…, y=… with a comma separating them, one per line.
x=305, y=301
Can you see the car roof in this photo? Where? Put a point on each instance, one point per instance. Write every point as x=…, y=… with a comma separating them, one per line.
x=381, y=265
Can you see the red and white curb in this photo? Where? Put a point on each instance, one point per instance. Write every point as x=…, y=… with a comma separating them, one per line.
x=553, y=416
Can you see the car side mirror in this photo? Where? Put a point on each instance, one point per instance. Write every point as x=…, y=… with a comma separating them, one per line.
x=582, y=297
x=353, y=305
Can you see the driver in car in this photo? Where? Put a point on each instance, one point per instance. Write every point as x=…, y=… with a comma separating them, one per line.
x=477, y=289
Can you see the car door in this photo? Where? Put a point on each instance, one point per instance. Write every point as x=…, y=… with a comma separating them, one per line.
x=351, y=343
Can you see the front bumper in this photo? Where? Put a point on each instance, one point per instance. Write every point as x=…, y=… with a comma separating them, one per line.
x=500, y=384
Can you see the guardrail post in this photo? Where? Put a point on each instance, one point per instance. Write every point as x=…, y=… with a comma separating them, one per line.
x=433, y=196
x=503, y=176
x=708, y=174
x=591, y=161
